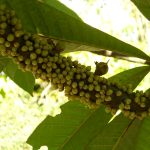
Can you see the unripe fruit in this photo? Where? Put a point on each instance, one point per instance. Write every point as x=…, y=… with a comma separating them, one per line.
x=44, y=53
x=24, y=48
x=33, y=56
x=109, y=92
x=118, y=93
x=128, y=101
x=97, y=88
x=14, y=21
x=108, y=99
x=107, y=109
x=2, y=40
x=74, y=84
x=38, y=51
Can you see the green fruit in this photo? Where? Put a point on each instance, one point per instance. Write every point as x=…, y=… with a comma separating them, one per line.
x=90, y=79
x=128, y=101
x=2, y=48
x=27, y=61
x=74, y=91
x=33, y=56
x=7, y=44
x=87, y=95
x=68, y=77
x=107, y=109
x=121, y=106
x=44, y=66
x=19, y=33
x=38, y=51
x=97, y=88
x=24, y=48
x=81, y=83
x=30, y=48
x=108, y=99
x=3, y=25
x=2, y=32
x=2, y=40
x=109, y=92
x=118, y=93
x=91, y=87
x=81, y=93
x=48, y=70
x=34, y=62
x=20, y=58
x=85, y=87
x=40, y=60
x=127, y=106
x=74, y=84
x=18, y=26
x=16, y=44
x=44, y=53
x=142, y=105
x=14, y=21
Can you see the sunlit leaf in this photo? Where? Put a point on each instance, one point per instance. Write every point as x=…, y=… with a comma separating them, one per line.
x=47, y=18
x=132, y=76
x=73, y=129
x=110, y=134
x=113, y=134
x=137, y=136
x=24, y=79
x=143, y=6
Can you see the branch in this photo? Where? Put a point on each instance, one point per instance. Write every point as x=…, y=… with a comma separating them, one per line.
x=38, y=55
x=121, y=56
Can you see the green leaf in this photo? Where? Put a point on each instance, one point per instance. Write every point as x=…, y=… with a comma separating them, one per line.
x=2, y=92
x=109, y=136
x=47, y=18
x=143, y=6
x=1, y=67
x=114, y=132
x=61, y=7
x=73, y=129
x=24, y=79
x=132, y=76
x=137, y=136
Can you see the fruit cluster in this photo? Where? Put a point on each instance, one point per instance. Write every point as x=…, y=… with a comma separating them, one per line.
x=40, y=55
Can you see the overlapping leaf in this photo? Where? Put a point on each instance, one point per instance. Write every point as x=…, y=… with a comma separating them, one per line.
x=114, y=133
x=24, y=79
x=47, y=18
x=72, y=129
x=132, y=76
x=143, y=6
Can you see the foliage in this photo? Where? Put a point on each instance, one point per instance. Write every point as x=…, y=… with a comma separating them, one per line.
x=78, y=127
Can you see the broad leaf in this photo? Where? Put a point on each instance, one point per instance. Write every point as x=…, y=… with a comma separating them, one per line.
x=73, y=129
x=132, y=76
x=1, y=67
x=47, y=18
x=110, y=135
x=61, y=7
x=143, y=6
x=115, y=131
x=137, y=137
x=24, y=79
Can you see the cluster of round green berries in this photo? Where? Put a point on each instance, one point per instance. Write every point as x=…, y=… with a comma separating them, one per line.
x=39, y=55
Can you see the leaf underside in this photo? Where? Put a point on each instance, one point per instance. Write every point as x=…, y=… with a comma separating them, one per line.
x=68, y=28
x=24, y=79
x=143, y=6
